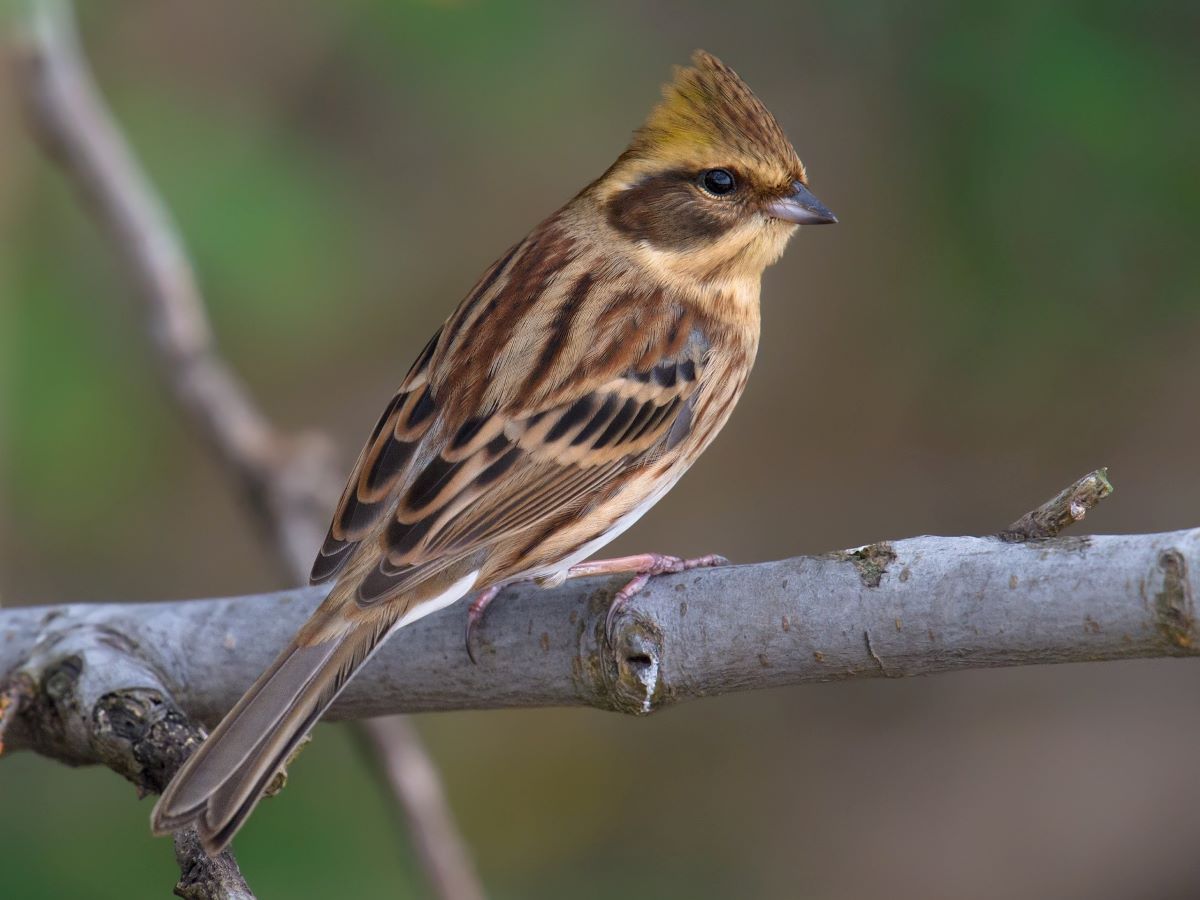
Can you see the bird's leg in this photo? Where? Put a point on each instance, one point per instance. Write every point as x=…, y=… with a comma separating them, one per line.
x=480, y=604
x=475, y=614
x=645, y=566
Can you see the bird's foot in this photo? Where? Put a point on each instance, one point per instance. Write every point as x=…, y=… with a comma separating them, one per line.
x=645, y=566
x=475, y=615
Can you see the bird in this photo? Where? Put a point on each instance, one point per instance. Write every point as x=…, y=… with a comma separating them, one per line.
x=571, y=388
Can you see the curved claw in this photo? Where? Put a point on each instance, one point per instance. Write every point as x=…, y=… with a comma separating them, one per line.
x=467, y=639
x=475, y=616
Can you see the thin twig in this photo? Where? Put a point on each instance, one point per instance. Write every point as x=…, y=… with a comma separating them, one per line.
x=291, y=480
x=392, y=744
x=1064, y=509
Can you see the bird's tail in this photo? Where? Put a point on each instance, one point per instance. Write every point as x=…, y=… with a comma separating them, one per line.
x=220, y=784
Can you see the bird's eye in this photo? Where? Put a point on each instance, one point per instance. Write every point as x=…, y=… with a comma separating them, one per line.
x=718, y=182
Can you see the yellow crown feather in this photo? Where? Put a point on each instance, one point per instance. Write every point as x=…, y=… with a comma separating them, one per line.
x=709, y=107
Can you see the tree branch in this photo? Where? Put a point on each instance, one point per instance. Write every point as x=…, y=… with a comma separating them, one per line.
x=397, y=750
x=124, y=684
x=91, y=698
x=912, y=607
x=291, y=481
x=1062, y=510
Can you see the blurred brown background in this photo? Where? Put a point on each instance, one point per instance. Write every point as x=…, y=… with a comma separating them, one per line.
x=1012, y=299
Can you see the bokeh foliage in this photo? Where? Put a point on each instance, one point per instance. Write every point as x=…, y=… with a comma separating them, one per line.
x=1012, y=298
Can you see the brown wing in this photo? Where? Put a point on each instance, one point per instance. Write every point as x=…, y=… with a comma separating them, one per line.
x=434, y=500
x=386, y=457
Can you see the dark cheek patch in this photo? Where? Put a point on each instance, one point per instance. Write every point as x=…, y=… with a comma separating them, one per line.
x=666, y=212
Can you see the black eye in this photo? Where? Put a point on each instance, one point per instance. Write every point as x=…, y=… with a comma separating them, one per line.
x=718, y=181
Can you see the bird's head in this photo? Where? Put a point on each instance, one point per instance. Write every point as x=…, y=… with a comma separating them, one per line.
x=709, y=187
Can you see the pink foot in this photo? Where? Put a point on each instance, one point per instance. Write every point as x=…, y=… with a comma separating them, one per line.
x=646, y=566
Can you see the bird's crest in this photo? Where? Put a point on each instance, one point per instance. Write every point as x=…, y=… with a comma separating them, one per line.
x=709, y=108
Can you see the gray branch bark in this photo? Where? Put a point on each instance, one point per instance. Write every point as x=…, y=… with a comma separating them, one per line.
x=912, y=607
x=1064, y=509
x=89, y=696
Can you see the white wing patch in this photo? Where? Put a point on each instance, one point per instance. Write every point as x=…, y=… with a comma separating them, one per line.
x=455, y=592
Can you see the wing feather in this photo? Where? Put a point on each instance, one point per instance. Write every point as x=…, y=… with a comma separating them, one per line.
x=506, y=472
x=457, y=465
x=380, y=467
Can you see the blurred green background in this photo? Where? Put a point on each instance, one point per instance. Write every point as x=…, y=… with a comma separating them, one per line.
x=1012, y=299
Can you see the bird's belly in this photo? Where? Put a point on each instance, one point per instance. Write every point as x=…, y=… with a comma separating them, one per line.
x=711, y=413
x=556, y=572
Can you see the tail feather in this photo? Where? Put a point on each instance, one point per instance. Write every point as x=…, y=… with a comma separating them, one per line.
x=220, y=784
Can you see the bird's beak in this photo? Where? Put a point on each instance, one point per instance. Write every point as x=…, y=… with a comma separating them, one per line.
x=801, y=208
